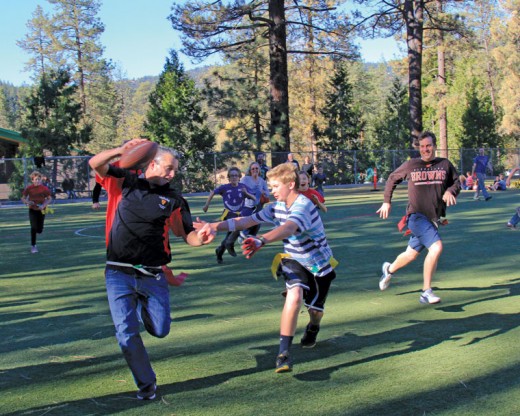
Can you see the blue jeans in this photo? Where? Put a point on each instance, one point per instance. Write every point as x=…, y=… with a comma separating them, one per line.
x=482, y=185
x=515, y=219
x=132, y=299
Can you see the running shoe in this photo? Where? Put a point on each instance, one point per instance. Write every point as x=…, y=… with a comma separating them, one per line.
x=283, y=363
x=384, y=282
x=309, y=337
x=428, y=297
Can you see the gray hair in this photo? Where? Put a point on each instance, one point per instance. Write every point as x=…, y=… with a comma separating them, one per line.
x=162, y=150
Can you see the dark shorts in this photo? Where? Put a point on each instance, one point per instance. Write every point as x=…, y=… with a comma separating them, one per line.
x=315, y=289
x=424, y=232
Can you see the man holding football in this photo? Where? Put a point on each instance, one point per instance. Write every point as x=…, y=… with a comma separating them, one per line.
x=137, y=249
x=433, y=185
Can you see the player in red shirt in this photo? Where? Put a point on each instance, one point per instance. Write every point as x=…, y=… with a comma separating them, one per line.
x=310, y=193
x=36, y=197
x=113, y=186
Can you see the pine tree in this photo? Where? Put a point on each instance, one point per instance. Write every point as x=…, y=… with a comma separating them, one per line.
x=53, y=119
x=175, y=119
x=4, y=115
x=341, y=115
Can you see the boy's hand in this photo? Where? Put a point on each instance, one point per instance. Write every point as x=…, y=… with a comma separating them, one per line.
x=251, y=245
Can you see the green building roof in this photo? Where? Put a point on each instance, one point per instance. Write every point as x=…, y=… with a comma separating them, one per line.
x=12, y=136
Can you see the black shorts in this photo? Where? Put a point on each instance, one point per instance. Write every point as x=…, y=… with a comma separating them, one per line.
x=315, y=289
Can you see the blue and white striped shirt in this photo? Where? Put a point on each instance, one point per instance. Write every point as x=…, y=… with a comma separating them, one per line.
x=308, y=246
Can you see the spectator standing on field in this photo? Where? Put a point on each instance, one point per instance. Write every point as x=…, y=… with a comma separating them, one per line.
x=36, y=196
x=318, y=179
x=515, y=219
x=479, y=168
x=136, y=286
x=433, y=185
x=263, y=167
x=308, y=166
x=291, y=159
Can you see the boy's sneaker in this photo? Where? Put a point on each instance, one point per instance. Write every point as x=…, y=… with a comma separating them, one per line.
x=231, y=250
x=309, y=337
x=148, y=393
x=384, y=282
x=283, y=363
x=34, y=249
x=219, y=251
x=488, y=198
x=429, y=297
x=509, y=225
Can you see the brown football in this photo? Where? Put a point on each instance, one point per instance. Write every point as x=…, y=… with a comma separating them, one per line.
x=138, y=155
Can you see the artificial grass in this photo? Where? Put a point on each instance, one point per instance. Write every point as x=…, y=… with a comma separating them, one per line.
x=378, y=353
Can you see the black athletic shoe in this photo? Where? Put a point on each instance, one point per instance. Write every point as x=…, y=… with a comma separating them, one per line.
x=147, y=394
x=219, y=251
x=283, y=363
x=231, y=250
x=309, y=337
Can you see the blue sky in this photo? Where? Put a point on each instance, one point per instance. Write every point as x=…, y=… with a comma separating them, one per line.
x=137, y=37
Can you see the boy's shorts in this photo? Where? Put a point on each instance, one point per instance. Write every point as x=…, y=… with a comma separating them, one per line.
x=315, y=289
x=424, y=232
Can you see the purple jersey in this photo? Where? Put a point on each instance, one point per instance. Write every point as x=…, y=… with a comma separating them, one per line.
x=233, y=196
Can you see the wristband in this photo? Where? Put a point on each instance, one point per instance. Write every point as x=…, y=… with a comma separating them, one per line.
x=231, y=225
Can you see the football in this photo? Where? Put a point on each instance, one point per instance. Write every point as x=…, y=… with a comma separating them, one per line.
x=138, y=155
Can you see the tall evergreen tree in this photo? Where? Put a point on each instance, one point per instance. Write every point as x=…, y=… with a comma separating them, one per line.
x=78, y=30
x=41, y=45
x=4, y=114
x=341, y=115
x=175, y=119
x=479, y=122
x=392, y=129
x=53, y=118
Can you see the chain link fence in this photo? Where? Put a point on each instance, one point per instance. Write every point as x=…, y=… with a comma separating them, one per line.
x=70, y=177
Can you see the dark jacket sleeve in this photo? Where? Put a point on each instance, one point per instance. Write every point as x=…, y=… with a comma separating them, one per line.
x=96, y=192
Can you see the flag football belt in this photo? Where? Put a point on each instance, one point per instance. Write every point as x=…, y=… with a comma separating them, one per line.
x=403, y=223
x=278, y=259
x=226, y=212
x=151, y=271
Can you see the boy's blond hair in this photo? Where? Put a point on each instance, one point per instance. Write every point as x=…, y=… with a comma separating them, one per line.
x=285, y=173
x=35, y=174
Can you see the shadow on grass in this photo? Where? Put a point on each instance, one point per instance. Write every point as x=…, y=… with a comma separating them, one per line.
x=513, y=289
x=421, y=335
x=116, y=403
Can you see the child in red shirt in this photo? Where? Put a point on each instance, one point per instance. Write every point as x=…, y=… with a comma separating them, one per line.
x=310, y=193
x=36, y=197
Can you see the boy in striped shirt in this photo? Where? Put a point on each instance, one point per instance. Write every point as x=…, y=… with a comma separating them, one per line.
x=306, y=262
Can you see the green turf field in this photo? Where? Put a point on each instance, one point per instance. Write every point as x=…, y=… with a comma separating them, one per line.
x=378, y=353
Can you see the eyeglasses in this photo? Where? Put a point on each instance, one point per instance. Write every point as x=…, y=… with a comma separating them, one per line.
x=234, y=176
x=254, y=168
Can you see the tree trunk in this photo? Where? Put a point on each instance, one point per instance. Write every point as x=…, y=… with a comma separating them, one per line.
x=413, y=16
x=279, y=83
x=441, y=80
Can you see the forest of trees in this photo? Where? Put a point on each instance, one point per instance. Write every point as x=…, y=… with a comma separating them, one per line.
x=291, y=79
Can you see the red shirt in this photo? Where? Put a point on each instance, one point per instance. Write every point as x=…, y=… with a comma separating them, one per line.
x=37, y=194
x=310, y=192
x=113, y=186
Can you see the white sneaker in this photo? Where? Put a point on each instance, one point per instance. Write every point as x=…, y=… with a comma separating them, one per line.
x=384, y=282
x=429, y=297
x=34, y=249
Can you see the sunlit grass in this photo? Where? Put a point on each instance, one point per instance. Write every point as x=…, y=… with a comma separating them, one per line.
x=379, y=353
